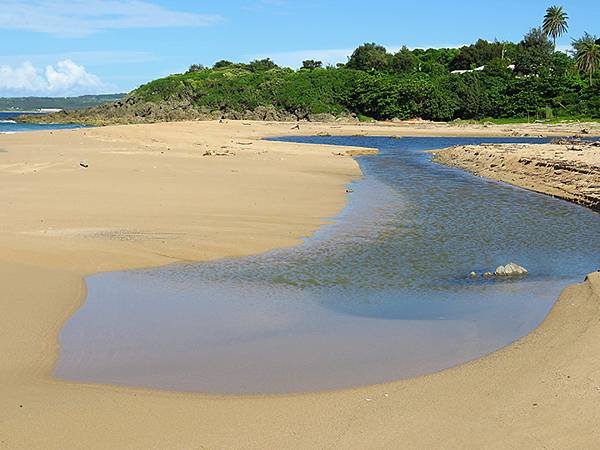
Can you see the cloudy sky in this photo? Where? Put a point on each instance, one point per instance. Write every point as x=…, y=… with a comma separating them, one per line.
x=70, y=47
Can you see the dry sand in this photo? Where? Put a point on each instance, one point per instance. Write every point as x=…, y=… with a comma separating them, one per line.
x=149, y=197
x=568, y=169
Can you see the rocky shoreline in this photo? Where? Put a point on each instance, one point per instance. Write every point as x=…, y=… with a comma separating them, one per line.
x=567, y=169
x=132, y=110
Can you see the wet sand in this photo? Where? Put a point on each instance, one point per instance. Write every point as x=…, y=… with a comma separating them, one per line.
x=149, y=197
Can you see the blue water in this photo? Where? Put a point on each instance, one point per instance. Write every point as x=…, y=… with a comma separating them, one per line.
x=380, y=294
x=8, y=124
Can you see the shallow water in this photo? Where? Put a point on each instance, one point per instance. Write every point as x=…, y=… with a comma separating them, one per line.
x=379, y=294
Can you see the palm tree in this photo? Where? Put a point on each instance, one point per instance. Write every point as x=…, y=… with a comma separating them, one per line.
x=555, y=22
x=587, y=54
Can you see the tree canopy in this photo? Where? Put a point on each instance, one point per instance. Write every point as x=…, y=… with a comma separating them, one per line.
x=311, y=64
x=369, y=56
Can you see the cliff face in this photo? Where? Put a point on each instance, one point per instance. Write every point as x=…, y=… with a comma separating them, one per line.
x=566, y=169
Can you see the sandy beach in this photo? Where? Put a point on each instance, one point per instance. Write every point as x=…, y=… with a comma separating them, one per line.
x=79, y=202
x=565, y=168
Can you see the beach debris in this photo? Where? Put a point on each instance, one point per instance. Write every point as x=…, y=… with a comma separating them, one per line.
x=567, y=141
x=296, y=127
x=244, y=143
x=510, y=270
x=349, y=191
x=585, y=131
x=216, y=153
x=84, y=164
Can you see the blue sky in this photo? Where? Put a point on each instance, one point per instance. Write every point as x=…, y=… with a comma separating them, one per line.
x=68, y=47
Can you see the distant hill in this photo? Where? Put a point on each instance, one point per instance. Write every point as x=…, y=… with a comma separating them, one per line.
x=527, y=80
x=37, y=103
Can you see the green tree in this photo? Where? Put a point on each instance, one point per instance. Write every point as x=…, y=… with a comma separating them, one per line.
x=498, y=68
x=434, y=61
x=403, y=61
x=369, y=57
x=587, y=55
x=222, y=63
x=477, y=55
x=195, y=68
x=534, y=53
x=262, y=65
x=561, y=64
x=312, y=64
x=555, y=23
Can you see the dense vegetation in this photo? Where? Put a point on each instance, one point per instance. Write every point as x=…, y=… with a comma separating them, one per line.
x=36, y=103
x=504, y=80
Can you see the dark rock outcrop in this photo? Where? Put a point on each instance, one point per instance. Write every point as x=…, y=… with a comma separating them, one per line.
x=132, y=110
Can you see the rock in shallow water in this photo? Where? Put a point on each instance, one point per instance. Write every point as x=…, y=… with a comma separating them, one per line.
x=511, y=270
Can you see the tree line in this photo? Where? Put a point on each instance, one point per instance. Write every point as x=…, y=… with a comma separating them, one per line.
x=529, y=78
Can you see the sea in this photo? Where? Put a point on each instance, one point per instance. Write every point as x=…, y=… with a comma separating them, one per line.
x=9, y=125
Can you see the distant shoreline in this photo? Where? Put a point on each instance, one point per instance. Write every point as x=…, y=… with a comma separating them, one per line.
x=54, y=104
x=33, y=111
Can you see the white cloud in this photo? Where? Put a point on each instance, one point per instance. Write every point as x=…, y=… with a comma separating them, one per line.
x=84, y=17
x=63, y=78
x=24, y=78
x=68, y=75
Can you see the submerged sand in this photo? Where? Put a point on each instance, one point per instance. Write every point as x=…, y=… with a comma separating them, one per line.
x=148, y=197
